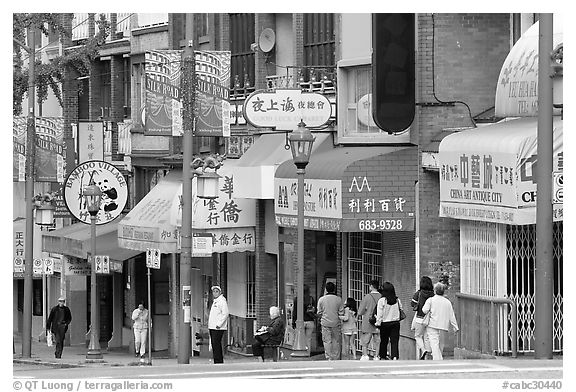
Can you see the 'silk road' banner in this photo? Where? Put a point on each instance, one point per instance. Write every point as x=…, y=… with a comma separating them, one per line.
x=49, y=149
x=163, y=111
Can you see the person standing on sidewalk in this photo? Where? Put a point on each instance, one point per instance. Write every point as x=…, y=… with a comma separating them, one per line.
x=217, y=323
x=349, y=329
x=140, y=326
x=368, y=332
x=57, y=323
x=418, y=300
x=441, y=318
x=330, y=307
x=388, y=320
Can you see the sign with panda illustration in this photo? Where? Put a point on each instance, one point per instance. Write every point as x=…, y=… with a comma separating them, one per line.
x=110, y=181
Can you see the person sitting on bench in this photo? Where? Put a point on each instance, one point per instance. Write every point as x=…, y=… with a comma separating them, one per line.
x=273, y=335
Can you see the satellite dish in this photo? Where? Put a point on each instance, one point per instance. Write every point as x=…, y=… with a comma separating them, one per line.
x=267, y=40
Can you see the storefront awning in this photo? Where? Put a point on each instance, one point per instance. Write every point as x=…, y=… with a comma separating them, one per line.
x=487, y=174
x=517, y=88
x=75, y=240
x=254, y=171
x=156, y=220
x=351, y=189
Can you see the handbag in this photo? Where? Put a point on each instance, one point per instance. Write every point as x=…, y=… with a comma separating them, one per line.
x=372, y=319
x=426, y=319
x=402, y=314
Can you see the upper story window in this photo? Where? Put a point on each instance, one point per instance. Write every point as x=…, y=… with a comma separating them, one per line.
x=319, y=45
x=242, y=57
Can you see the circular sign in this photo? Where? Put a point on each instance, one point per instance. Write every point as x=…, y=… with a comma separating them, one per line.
x=110, y=181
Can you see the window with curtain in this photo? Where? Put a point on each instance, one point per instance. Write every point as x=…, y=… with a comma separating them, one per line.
x=242, y=57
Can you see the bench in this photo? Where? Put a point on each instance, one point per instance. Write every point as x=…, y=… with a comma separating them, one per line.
x=272, y=350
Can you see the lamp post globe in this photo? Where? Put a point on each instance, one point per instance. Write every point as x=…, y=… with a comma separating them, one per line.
x=92, y=197
x=301, y=141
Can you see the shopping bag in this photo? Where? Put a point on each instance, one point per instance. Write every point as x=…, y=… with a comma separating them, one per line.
x=49, y=339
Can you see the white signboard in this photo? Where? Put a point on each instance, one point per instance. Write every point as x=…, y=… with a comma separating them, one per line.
x=110, y=181
x=322, y=198
x=153, y=258
x=558, y=187
x=283, y=109
x=102, y=264
x=37, y=267
x=48, y=266
x=201, y=245
x=90, y=141
x=18, y=264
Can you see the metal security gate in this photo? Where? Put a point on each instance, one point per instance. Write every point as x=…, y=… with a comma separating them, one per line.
x=364, y=264
x=520, y=264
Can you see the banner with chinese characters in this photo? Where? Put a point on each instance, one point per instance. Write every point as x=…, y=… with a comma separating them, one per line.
x=232, y=239
x=50, y=154
x=488, y=174
x=163, y=111
x=90, y=141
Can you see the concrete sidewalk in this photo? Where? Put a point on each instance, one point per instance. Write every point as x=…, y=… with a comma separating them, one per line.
x=75, y=356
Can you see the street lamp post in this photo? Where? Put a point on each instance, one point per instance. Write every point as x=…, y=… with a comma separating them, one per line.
x=301, y=141
x=92, y=196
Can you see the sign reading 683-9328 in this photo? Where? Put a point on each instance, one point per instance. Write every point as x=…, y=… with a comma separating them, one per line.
x=110, y=181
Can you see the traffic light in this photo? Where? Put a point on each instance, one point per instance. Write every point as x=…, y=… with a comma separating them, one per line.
x=393, y=71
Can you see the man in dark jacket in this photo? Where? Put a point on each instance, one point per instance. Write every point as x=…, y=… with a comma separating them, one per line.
x=57, y=323
x=272, y=335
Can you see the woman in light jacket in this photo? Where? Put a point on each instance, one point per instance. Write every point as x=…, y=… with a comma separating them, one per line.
x=441, y=318
x=217, y=323
x=388, y=320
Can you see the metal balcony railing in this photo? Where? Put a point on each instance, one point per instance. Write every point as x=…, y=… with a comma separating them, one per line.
x=487, y=325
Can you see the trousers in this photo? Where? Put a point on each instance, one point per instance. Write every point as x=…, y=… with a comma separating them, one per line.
x=331, y=338
x=436, y=338
x=59, y=335
x=216, y=340
x=140, y=338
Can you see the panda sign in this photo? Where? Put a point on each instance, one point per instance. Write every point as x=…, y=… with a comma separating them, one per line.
x=110, y=181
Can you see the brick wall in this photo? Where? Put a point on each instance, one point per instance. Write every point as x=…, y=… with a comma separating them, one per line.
x=459, y=59
x=117, y=101
x=298, y=27
x=266, y=280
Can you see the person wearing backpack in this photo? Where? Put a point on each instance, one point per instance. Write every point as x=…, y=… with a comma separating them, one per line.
x=369, y=332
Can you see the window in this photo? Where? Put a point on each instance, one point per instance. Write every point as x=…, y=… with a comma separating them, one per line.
x=202, y=24
x=319, y=43
x=125, y=74
x=355, y=106
x=242, y=57
x=251, y=285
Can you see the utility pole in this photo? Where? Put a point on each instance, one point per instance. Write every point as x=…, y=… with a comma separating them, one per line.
x=188, y=100
x=29, y=195
x=544, y=272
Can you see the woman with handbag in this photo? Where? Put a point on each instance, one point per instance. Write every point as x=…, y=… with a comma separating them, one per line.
x=418, y=300
x=388, y=317
x=441, y=316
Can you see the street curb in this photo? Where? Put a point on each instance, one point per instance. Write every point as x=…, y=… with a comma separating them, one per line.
x=45, y=363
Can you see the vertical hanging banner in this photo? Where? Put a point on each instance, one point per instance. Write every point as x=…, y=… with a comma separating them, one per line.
x=163, y=111
x=50, y=163
x=212, y=93
x=90, y=141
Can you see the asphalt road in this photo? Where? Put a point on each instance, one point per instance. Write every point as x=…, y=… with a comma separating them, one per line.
x=507, y=369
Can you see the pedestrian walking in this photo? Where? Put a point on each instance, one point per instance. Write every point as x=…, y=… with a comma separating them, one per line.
x=441, y=318
x=349, y=328
x=330, y=307
x=140, y=326
x=217, y=323
x=369, y=333
x=309, y=315
x=271, y=335
x=57, y=323
x=425, y=291
x=388, y=319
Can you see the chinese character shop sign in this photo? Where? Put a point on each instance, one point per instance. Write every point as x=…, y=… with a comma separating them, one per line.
x=110, y=181
x=485, y=182
x=90, y=141
x=284, y=108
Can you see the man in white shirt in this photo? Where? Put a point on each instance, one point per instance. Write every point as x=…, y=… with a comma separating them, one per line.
x=441, y=318
x=217, y=323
